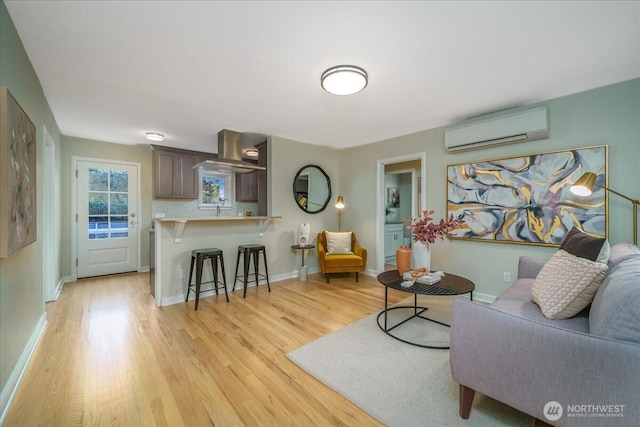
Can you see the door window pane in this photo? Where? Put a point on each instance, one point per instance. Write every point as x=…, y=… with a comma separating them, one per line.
x=118, y=222
x=119, y=226
x=98, y=179
x=119, y=181
x=98, y=227
x=119, y=204
x=98, y=204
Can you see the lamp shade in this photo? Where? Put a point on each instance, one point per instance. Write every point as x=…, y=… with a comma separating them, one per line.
x=340, y=202
x=344, y=80
x=584, y=185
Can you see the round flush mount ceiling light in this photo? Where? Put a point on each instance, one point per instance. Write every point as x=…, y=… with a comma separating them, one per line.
x=252, y=152
x=155, y=136
x=344, y=80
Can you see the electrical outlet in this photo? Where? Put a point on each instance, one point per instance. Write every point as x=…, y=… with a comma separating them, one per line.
x=507, y=277
x=181, y=273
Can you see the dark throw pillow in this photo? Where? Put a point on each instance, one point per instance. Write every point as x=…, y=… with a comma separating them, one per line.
x=583, y=245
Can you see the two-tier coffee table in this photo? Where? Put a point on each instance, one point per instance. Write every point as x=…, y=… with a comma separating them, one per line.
x=450, y=284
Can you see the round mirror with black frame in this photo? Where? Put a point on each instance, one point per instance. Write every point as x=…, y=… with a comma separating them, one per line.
x=312, y=189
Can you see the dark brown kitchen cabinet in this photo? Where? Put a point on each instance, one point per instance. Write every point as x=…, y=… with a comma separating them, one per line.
x=251, y=187
x=173, y=174
x=247, y=187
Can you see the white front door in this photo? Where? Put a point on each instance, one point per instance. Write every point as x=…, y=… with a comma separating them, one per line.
x=107, y=218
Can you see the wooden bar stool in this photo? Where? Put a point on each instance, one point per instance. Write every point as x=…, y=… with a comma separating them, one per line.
x=198, y=256
x=246, y=251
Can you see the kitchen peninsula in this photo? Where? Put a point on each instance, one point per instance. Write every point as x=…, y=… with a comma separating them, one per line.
x=175, y=238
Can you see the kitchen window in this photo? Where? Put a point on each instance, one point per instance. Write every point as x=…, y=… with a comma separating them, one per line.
x=215, y=189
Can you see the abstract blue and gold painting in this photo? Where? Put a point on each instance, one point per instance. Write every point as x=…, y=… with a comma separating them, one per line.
x=526, y=199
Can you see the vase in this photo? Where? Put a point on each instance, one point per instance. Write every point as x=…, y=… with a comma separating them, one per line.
x=403, y=259
x=421, y=255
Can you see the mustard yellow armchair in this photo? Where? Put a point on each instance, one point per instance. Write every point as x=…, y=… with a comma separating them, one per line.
x=341, y=262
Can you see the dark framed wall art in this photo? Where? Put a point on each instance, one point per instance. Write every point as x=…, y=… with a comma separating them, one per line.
x=393, y=198
x=17, y=176
x=526, y=199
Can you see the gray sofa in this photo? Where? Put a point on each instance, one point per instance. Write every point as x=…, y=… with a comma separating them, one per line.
x=585, y=369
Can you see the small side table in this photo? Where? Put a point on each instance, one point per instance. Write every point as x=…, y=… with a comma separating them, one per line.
x=303, y=269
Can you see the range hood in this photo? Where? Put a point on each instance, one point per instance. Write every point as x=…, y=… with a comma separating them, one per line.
x=229, y=155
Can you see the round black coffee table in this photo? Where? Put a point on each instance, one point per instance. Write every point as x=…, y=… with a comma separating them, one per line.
x=450, y=284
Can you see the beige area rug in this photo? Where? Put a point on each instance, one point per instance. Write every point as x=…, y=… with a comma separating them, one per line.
x=397, y=383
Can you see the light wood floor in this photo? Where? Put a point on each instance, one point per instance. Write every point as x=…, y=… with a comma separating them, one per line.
x=108, y=356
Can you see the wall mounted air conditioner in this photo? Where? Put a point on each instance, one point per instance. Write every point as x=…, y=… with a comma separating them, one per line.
x=505, y=127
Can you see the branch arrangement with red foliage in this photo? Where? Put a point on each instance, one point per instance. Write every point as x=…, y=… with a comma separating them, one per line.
x=425, y=230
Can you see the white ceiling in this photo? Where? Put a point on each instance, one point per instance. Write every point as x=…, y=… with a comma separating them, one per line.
x=112, y=70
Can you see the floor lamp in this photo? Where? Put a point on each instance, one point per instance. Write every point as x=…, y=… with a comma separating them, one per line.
x=340, y=206
x=584, y=186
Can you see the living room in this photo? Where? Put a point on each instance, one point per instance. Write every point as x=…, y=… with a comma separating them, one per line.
x=606, y=114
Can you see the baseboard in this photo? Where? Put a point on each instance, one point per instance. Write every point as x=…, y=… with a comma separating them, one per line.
x=67, y=279
x=370, y=272
x=178, y=299
x=9, y=390
x=60, y=285
x=483, y=297
x=56, y=293
x=143, y=269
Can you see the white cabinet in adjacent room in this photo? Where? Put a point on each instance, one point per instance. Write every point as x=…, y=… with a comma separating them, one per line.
x=393, y=234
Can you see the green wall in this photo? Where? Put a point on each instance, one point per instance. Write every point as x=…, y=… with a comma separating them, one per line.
x=609, y=115
x=22, y=313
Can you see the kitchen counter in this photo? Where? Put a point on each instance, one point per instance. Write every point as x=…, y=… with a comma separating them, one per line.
x=180, y=223
x=175, y=239
x=220, y=218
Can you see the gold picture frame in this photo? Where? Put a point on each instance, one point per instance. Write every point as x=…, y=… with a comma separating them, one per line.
x=18, y=186
x=526, y=199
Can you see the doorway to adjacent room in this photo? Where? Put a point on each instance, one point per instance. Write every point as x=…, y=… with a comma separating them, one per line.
x=400, y=191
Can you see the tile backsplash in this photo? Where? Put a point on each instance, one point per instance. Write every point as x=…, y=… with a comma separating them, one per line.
x=190, y=209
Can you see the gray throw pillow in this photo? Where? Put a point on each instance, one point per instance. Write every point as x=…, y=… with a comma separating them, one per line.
x=583, y=245
x=615, y=312
x=622, y=251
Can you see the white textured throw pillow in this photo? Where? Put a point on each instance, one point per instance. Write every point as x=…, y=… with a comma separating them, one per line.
x=566, y=285
x=338, y=242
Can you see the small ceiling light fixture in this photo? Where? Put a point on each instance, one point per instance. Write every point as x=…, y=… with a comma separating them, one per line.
x=344, y=80
x=252, y=152
x=155, y=136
